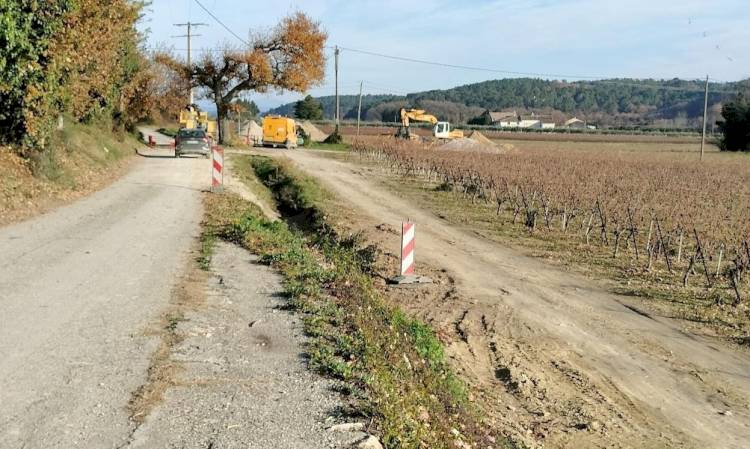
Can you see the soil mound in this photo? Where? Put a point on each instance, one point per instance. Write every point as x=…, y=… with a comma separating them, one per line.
x=469, y=144
x=481, y=138
x=316, y=135
x=252, y=132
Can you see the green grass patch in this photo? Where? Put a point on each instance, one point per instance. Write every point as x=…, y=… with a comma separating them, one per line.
x=243, y=167
x=391, y=366
x=207, y=240
x=171, y=132
x=296, y=196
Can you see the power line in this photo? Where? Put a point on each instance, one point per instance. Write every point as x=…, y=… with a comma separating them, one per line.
x=600, y=79
x=222, y=23
x=384, y=87
x=464, y=67
x=482, y=69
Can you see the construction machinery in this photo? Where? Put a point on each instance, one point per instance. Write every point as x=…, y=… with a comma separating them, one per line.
x=440, y=130
x=192, y=118
x=279, y=131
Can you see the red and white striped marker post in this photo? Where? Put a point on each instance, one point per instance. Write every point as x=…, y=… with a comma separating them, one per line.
x=407, y=249
x=217, y=168
x=408, y=243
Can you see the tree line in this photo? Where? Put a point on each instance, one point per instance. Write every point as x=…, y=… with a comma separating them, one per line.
x=617, y=102
x=84, y=59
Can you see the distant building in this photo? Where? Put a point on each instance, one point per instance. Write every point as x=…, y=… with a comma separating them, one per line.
x=495, y=118
x=575, y=123
x=530, y=123
x=511, y=119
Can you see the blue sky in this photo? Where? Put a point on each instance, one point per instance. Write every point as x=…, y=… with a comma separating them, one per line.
x=600, y=38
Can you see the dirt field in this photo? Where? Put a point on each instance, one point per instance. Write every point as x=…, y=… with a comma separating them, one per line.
x=686, y=147
x=556, y=359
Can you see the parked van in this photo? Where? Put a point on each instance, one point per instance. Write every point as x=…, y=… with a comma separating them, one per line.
x=279, y=131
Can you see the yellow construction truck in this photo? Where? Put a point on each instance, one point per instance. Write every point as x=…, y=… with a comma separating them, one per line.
x=441, y=130
x=279, y=131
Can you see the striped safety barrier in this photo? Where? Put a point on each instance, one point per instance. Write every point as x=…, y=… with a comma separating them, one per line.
x=407, y=249
x=217, y=168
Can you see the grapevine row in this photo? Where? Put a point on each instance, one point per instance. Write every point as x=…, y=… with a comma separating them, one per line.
x=664, y=214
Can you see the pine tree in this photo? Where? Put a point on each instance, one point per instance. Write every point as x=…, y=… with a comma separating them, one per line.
x=736, y=125
x=308, y=109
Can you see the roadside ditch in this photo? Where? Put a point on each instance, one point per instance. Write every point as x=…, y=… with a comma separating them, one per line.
x=390, y=368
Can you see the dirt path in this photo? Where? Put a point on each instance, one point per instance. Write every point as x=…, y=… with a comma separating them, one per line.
x=159, y=138
x=560, y=360
x=239, y=377
x=78, y=286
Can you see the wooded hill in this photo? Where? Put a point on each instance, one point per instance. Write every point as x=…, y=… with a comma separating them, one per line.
x=615, y=102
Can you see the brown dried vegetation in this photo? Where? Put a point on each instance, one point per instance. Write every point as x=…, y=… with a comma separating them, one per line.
x=656, y=215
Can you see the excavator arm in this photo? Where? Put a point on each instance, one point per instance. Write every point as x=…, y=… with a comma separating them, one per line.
x=416, y=115
x=441, y=130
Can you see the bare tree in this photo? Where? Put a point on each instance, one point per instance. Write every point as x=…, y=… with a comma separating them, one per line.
x=290, y=57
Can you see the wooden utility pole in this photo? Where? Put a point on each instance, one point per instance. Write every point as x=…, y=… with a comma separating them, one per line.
x=190, y=35
x=336, y=70
x=705, y=115
x=359, y=108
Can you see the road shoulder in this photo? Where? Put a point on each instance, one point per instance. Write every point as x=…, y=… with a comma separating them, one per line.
x=243, y=381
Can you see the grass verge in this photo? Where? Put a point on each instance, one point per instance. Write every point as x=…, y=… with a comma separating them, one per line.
x=242, y=167
x=79, y=159
x=171, y=132
x=391, y=366
x=207, y=240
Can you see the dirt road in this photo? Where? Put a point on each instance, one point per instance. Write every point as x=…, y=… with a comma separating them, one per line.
x=563, y=362
x=78, y=286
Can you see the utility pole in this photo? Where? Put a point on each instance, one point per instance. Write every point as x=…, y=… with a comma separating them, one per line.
x=359, y=108
x=189, y=35
x=705, y=115
x=336, y=70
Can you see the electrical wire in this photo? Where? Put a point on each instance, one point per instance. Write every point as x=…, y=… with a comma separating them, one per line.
x=464, y=67
x=584, y=78
x=483, y=69
x=222, y=23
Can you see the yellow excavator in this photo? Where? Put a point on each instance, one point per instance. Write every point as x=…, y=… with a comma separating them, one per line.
x=441, y=130
x=190, y=118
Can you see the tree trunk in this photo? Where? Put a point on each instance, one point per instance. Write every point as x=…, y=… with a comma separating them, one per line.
x=219, y=101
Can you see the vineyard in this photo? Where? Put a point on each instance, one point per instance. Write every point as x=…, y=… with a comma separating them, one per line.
x=656, y=216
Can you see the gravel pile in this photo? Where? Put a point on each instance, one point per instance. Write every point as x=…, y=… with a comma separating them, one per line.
x=313, y=131
x=469, y=144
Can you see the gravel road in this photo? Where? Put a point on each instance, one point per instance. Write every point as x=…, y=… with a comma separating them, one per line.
x=242, y=382
x=78, y=287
